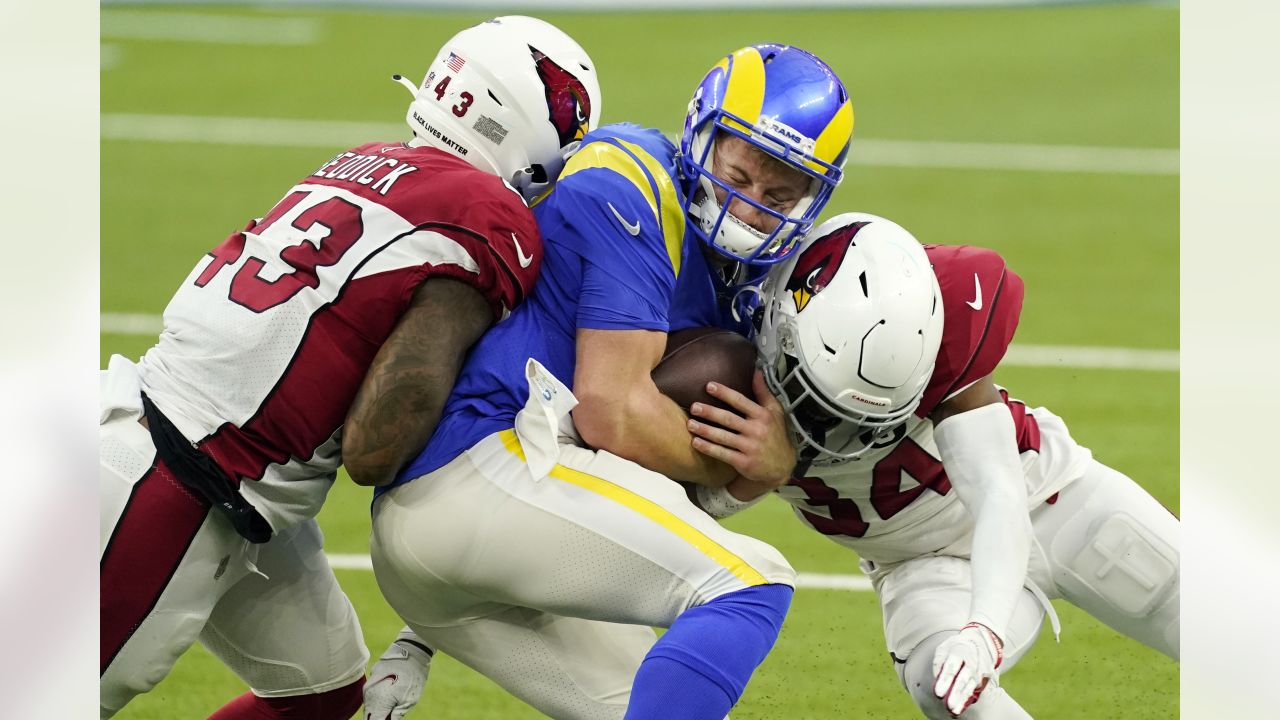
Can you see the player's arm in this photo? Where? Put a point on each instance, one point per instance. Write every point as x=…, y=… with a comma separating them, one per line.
x=621, y=410
x=403, y=395
x=977, y=440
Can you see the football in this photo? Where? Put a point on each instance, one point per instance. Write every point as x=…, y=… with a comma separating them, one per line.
x=697, y=356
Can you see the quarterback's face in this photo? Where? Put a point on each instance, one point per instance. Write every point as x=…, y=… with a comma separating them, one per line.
x=760, y=177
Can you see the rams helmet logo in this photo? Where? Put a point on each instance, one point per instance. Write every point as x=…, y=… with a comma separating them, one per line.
x=817, y=265
x=568, y=105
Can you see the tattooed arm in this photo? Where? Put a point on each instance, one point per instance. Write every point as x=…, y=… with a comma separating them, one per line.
x=401, y=399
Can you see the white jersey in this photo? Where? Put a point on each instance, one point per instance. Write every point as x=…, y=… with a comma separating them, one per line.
x=895, y=502
x=269, y=337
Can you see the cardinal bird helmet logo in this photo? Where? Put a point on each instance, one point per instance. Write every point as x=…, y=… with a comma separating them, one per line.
x=568, y=105
x=817, y=265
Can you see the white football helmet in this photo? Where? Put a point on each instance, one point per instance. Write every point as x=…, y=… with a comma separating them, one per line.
x=849, y=334
x=513, y=96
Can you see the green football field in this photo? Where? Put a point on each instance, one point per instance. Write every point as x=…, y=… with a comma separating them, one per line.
x=952, y=110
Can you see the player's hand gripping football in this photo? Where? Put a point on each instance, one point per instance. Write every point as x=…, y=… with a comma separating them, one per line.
x=396, y=680
x=752, y=438
x=964, y=664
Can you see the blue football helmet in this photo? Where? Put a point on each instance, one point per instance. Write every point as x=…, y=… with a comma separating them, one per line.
x=785, y=102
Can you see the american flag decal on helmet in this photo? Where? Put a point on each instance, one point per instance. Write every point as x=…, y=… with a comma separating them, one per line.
x=455, y=62
x=568, y=105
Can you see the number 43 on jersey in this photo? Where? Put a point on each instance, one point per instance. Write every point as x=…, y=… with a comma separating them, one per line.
x=329, y=228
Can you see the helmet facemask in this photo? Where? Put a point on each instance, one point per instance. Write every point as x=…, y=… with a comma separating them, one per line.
x=720, y=229
x=833, y=432
x=785, y=104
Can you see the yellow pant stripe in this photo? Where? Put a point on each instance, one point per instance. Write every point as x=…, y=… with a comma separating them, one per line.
x=649, y=509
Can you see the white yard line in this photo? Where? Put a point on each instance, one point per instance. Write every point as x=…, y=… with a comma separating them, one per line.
x=277, y=132
x=1092, y=358
x=822, y=581
x=350, y=562
x=201, y=28
x=1056, y=356
x=130, y=324
x=1008, y=156
x=816, y=581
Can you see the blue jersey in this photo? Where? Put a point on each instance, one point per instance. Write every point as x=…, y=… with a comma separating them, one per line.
x=615, y=257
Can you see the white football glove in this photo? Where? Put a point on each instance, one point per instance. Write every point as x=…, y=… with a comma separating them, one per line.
x=396, y=680
x=964, y=664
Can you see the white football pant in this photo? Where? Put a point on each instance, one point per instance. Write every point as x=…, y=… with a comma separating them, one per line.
x=523, y=577
x=172, y=571
x=1104, y=544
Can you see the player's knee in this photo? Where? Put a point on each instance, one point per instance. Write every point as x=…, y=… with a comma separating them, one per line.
x=131, y=676
x=728, y=637
x=916, y=675
x=764, y=606
x=756, y=614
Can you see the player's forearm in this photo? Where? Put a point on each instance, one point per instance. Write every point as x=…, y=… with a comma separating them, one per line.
x=405, y=389
x=981, y=459
x=1001, y=545
x=398, y=411
x=648, y=428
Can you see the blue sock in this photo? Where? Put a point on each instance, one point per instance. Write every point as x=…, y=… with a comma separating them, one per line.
x=698, y=669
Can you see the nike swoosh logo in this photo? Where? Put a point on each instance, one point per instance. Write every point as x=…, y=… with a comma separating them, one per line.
x=524, y=259
x=633, y=228
x=976, y=302
x=392, y=678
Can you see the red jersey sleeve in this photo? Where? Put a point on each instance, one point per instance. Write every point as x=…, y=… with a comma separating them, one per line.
x=437, y=192
x=513, y=244
x=981, y=303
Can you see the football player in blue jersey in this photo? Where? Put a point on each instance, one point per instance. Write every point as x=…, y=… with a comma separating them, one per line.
x=539, y=536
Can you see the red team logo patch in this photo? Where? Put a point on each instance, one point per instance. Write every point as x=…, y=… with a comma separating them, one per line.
x=568, y=105
x=818, y=264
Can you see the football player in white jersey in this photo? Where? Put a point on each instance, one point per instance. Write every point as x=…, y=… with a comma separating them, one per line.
x=968, y=509
x=328, y=331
